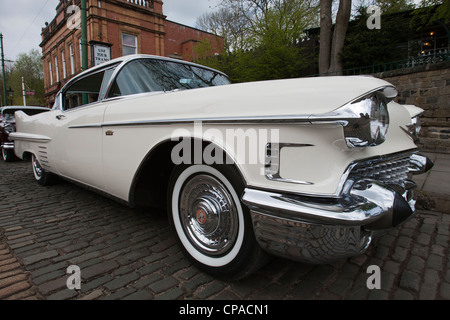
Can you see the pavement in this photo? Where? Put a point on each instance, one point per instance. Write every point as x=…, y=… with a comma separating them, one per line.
x=434, y=186
x=124, y=253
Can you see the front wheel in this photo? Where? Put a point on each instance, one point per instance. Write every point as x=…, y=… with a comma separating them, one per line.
x=214, y=229
x=42, y=177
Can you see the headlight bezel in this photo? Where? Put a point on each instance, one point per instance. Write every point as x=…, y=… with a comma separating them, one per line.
x=365, y=120
x=368, y=123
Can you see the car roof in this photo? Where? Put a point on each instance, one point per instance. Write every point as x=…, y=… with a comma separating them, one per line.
x=127, y=58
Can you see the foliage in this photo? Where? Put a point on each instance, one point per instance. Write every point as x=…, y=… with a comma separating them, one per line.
x=431, y=11
x=366, y=47
x=261, y=37
x=29, y=66
x=392, y=6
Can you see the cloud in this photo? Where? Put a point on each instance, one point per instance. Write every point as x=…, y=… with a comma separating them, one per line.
x=187, y=12
x=21, y=22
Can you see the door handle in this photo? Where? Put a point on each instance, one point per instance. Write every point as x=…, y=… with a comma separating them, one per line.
x=60, y=117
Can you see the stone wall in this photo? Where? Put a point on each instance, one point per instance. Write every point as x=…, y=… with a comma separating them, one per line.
x=427, y=87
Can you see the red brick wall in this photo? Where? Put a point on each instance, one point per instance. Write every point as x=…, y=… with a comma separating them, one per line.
x=180, y=40
x=106, y=23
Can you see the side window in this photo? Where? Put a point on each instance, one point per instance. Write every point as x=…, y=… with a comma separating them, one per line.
x=84, y=91
x=147, y=75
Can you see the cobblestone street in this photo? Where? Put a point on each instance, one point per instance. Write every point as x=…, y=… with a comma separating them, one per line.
x=132, y=254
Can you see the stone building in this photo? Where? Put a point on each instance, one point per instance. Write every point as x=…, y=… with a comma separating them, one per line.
x=114, y=28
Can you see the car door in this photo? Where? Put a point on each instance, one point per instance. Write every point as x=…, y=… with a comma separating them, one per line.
x=78, y=130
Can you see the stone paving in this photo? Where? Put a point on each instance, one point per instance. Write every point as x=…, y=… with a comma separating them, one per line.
x=132, y=254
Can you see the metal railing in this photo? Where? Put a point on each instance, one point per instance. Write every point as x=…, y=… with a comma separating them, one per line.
x=142, y=3
x=423, y=58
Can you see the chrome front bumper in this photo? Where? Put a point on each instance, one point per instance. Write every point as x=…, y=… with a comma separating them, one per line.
x=322, y=230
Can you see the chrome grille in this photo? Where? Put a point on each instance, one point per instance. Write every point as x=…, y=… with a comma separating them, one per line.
x=392, y=171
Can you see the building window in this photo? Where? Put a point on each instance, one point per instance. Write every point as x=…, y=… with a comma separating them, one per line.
x=50, y=71
x=81, y=54
x=56, y=69
x=63, y=56
x=72, y=59
x=129, y=44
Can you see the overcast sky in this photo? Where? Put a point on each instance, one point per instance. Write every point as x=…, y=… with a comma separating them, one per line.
x=21, y=21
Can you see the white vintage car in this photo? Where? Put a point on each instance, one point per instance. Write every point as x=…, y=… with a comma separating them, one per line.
x=307, y=169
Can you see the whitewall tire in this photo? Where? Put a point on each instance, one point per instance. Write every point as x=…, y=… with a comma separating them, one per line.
x=42, y=177
x=212, y=225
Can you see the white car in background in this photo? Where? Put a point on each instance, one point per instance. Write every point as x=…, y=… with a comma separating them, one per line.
x=307, y=169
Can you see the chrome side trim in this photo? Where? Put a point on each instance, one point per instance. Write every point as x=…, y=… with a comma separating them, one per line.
x=216, y=120
x=272, y=162
x=29, y=137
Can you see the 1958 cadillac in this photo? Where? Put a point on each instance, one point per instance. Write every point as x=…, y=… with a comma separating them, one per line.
x=307, y=169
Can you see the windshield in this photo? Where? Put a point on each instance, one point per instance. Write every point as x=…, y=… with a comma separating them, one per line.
x=147, y=75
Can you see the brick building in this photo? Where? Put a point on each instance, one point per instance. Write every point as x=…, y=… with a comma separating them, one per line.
x=114, y=28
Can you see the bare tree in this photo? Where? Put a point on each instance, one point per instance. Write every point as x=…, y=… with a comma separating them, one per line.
x=245, y=23
x=331, y=47
x=326, y=24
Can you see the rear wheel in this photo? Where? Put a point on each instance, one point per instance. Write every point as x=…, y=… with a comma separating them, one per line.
x=213, y=227
x=42, y=177
x=8, y=155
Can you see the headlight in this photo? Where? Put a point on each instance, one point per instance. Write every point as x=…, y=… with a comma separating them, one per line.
x=367, y=121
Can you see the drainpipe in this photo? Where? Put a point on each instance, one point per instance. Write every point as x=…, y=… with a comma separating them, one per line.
x=84, y=64
x=3, y=70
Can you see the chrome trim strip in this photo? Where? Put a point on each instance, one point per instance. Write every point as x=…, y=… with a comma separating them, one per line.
x=294, y=119
x=29, y=137
x=272, y=162
x=333, y=117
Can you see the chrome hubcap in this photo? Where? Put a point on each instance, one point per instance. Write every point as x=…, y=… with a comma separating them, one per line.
x=208, y=215
x=37, y=168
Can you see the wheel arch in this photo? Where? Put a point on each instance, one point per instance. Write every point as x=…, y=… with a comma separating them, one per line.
x=150, y=182
x=26, y=155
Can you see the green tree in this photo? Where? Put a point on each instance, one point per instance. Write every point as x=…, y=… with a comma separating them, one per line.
x=367, y=47
x=392, y=6
x=29, y=66
x=261, y=37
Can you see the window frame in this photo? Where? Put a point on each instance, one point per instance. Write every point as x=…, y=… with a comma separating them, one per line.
x=56, y=68
x=63, y=60
x=72, y=58
x=110, y=69
x=50, y=70
x=123, y=66
x=128, y=46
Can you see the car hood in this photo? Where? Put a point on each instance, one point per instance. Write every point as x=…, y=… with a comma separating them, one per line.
x=292, y=97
